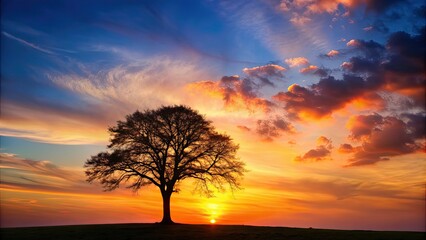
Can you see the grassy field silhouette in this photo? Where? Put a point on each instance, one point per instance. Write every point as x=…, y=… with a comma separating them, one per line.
x=188, y=231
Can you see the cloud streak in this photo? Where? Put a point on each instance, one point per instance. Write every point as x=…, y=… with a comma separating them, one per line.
x=105, y=97
x=29, y=44
x=30, y=175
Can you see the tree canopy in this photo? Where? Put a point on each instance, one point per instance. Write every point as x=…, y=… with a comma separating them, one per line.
x=163, y=147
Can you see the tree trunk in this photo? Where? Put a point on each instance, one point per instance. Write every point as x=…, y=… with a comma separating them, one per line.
x=166, y=208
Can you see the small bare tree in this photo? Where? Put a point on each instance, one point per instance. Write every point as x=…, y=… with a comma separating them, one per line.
x=164, y=147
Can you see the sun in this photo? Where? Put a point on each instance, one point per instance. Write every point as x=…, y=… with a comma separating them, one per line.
x=212, y=221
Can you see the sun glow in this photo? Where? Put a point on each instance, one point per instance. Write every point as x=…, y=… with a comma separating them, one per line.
x=213, y=211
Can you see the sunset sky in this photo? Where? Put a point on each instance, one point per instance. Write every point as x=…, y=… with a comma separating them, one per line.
x=326, y=99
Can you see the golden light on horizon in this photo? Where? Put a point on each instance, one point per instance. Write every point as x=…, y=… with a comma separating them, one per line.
x=213, y=211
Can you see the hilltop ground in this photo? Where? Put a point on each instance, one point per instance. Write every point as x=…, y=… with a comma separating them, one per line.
x=186, y=231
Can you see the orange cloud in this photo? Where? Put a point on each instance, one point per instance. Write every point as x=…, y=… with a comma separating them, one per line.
x=265, y=74
x=244, y=128
x=298, y=61
x=323, y=98
x=394, y=67
x=309, y=7
x=333, y=53
x=383, y=137
x=233, y=93
x=320, y=153
x=353, y=43
x=346, y=148
x=241, y=93
x=410, y=85
x=274, y=127
x=310, y=69
x=346, y=65
x=270, y=69
x=328, y=6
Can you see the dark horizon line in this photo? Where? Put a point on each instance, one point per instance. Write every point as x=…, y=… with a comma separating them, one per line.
x=207, y=224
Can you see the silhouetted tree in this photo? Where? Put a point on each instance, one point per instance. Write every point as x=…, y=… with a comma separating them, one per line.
x=164, y=147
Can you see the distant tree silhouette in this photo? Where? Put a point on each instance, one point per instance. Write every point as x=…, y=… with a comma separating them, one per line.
x=164, y=147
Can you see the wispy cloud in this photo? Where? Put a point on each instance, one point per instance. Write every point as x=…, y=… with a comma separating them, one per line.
x=263, y=22
x=22, y=28
x=129, y=85
x=21, y=173
x=338, y=188
x=164, y=30
x=108, y=95
x=29, y=44
x=54, y=123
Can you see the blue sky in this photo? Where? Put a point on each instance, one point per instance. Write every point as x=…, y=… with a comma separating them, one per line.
x=309, y=80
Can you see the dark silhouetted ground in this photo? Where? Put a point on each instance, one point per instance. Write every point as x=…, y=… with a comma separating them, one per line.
x=186, y=231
